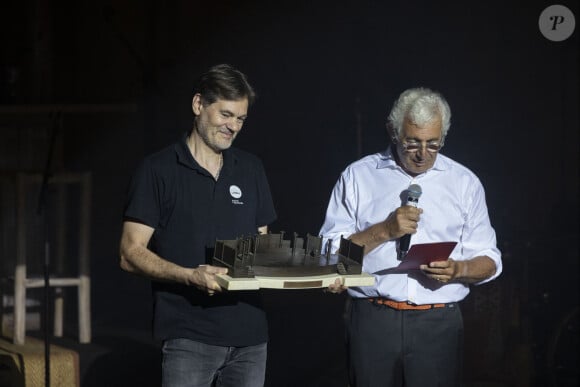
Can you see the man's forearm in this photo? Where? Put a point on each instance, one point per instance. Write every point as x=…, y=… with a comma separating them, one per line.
x=372, y=237
x=142, y=261
x=475, y=270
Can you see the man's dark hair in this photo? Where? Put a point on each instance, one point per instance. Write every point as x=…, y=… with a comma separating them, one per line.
x=224, y=82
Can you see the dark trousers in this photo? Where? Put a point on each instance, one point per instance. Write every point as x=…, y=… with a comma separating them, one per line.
x=396, y=348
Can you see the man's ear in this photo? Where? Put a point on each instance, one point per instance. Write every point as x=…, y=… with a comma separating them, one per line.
x=196, y=104
x=392, y=133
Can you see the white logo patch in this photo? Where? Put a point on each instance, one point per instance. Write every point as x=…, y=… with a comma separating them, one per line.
x=235, y=191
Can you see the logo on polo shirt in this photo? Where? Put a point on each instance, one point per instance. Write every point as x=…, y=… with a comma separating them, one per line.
x=236, y=193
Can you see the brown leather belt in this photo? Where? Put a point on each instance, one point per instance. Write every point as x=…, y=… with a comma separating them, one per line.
x=403, y=305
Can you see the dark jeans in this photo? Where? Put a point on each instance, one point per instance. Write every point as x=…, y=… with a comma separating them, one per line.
x=194, y=364
x=411, y=348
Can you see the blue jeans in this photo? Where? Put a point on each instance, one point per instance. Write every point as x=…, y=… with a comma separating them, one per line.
x=194, y=364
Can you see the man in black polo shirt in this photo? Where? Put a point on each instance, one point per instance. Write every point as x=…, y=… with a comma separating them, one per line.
x=180, y=200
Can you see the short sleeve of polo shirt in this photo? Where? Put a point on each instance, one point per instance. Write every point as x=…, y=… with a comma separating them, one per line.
x=144, y=196
x=266, y=213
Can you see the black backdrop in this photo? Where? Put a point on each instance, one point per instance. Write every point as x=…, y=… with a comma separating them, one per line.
x=326, y=74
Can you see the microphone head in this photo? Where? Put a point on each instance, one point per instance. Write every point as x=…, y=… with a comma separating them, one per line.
x=414, y=191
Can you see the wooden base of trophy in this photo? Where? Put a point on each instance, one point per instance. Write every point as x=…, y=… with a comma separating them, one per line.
x=304, y=282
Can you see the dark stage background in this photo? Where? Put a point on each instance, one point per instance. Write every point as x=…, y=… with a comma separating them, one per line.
x=326, y=74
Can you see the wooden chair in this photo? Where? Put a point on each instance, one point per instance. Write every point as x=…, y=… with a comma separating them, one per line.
x=23, y=279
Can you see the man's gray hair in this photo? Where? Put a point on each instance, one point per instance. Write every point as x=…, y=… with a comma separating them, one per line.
x=419, y=105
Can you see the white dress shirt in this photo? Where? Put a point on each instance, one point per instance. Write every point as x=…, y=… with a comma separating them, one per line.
x=454, y=209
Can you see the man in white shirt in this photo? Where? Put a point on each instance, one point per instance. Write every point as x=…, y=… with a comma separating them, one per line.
x=407, y=329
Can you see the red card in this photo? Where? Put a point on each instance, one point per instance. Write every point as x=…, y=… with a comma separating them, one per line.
x=423, y=253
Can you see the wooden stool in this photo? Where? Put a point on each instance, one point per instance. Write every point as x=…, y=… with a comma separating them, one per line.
x=23, y=365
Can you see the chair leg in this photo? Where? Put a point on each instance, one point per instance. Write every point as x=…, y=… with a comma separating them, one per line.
x=19, y=333
x=84, y=309
x=58, y=311
x=19, y=330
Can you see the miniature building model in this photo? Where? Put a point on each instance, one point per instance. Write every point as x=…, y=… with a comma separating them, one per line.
x=275, y=262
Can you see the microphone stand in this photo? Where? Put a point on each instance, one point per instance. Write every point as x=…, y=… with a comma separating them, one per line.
x=56, y=123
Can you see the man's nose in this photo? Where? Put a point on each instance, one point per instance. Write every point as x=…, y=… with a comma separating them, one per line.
x=234, y=124
x=422, y=151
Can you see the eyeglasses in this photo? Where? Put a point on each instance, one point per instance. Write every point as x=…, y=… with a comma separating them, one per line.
x=414, y=146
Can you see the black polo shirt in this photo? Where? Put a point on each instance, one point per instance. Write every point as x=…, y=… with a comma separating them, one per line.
x=189, y=210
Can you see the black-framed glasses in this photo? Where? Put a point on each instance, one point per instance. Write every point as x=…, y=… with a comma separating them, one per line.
x=414, y=146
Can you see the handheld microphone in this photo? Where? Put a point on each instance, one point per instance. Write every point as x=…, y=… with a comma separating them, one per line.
x=413, y=193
